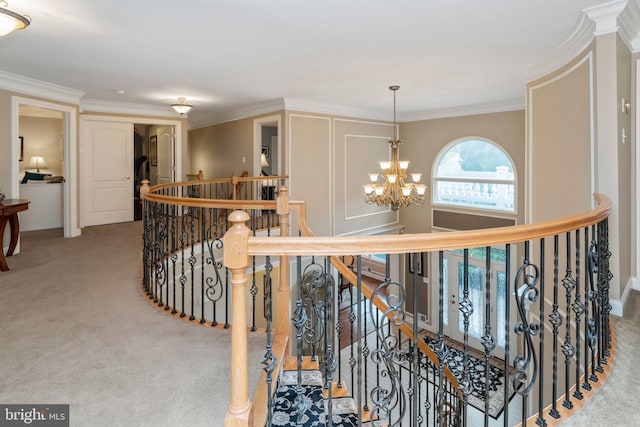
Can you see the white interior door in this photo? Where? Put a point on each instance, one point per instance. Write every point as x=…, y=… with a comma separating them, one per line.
x=106, y=171
x=166, y=158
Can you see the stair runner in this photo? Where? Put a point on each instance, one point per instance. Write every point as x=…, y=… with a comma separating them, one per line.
x=343, y=409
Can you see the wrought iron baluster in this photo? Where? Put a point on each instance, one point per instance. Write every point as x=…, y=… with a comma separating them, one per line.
x=254, y=288
x=594, y=324
x=163, y=262
x=578, y=309
x=606, y=279
x=192, y=259
x=299, y=319
x=507, y=332
x=526, y=366
x=174, y=258
x=359, y=362
x=414, y=388
x=556, y=321
x=567, y=347
x=352, y=319
x=330, y=358
x=269, y=362
x=183, y=245
x=441, y=349
x=466, y=308
x=203, y=239
x=540, y=420
x=214, y=285
x=488, y=341
x=588, y=319
x=390, y=355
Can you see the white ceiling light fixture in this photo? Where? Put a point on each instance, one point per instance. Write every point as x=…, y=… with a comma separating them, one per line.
x=10, y=20
x=182, y=107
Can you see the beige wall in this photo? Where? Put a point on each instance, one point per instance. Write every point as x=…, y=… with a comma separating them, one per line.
x=625, y=168
x=5, y=142
x=219, y=150
x=424, y=140
x=560, y=141
x=575, y=147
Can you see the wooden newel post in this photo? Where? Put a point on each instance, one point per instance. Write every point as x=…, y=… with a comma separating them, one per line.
x=144, y=189
x=283, y=316
x=234, y=186
x=236, y=259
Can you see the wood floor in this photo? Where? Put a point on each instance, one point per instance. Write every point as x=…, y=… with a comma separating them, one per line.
x=368, y=324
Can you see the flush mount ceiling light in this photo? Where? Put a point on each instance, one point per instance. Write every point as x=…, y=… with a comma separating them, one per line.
x=182, y=107
x=10, y=21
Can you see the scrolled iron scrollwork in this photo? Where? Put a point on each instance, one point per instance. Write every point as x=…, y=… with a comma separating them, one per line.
x=526, y=366
x=389, y=355
x=314, y=288
x=214, y=282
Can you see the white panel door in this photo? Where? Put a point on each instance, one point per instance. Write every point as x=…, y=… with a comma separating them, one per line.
x=106, y=172
x=165, y=155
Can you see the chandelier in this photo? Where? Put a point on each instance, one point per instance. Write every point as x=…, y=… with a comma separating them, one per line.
x=394, y=192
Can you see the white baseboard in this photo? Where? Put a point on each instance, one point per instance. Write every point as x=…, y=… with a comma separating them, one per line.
x=617, y=305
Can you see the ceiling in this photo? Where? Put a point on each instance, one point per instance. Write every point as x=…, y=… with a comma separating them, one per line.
x=227, y=56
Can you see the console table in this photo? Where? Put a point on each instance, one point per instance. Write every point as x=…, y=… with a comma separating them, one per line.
x=9, y=213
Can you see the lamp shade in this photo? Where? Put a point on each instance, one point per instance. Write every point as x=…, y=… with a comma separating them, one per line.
x=263, y=161
x=37, y=162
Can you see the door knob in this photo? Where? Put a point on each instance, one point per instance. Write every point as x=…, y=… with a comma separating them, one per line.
x=127, y=177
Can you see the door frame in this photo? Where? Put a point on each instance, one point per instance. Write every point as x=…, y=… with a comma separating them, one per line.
x=257, y=142
x=177, y=126
x=70, y=152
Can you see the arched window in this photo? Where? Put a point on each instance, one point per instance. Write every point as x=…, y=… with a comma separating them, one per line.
x=476, y=173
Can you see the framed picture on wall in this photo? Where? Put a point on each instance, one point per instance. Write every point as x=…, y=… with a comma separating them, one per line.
x=265, y=151
x=21, y=138
x=416, y=265
x=153, y=150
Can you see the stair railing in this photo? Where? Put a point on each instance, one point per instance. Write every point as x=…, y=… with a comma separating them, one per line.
x=184, y=225
x=579, y=330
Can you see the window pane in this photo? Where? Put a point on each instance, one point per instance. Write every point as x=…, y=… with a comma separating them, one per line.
x=476, y=320
x=475, y=173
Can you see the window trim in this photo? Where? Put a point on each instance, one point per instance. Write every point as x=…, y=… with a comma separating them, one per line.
x=436, y=179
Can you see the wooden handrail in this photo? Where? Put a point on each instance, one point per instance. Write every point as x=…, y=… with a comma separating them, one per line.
x=159, y=187
x=422, y=242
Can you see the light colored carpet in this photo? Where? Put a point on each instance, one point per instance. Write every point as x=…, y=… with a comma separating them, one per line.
x=76, y=329
x=616, y=403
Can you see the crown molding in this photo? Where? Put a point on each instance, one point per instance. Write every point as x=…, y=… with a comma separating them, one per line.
x=114, y=107
x=469, y=110
x=28, y=86
x=292, y=104
x=579, y=39
x=606, y=16
x=630, y=26
x=335, y=110
x=241, y=113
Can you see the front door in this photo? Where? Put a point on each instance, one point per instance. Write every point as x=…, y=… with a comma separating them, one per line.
x=106, y=171
x=454, y=287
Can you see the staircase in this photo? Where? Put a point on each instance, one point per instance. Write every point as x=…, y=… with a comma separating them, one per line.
x=344, y=412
